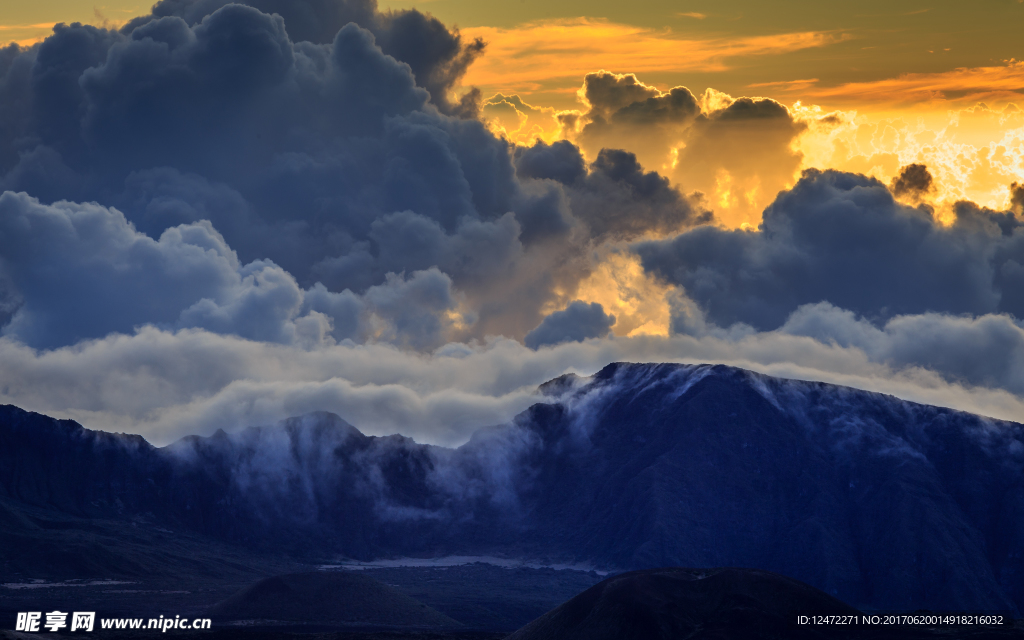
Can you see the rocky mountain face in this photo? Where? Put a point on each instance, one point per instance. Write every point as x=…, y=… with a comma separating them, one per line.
x=882, y=503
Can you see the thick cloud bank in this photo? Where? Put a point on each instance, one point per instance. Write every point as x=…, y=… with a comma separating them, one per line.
x=228, y=213
x=317, y=144
x=437, y=56
x=843, y=238
x=167, y=384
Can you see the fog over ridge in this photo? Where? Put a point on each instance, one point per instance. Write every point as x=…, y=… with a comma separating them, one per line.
x=167, y=385
x=638, y=465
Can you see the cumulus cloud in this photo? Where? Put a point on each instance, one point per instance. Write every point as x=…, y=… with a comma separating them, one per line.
x=437, y=56
x=172, y=102
x=914, y=182
x=575, y=323
x=81, y=271
x=738, y=152
x=842, y=238
x=325, y=157
x=983, y=351
x=560, y=161
x=741, y=154
x=624, y=113
x=616, y=199
x=621, y=112
x=413, y=310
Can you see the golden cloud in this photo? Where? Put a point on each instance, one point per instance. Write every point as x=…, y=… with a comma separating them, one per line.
x=521, y=57
x=973, y=154
x=510, y=116
x=962, y=85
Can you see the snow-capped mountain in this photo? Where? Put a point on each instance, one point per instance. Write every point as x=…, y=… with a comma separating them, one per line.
x=882, y=503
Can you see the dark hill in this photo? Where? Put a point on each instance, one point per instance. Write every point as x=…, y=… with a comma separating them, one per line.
x=882, y=503
x=668, y=604
x=329, y=597
x=724, y=604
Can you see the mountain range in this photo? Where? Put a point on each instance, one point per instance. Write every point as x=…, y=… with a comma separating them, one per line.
x=882, y=503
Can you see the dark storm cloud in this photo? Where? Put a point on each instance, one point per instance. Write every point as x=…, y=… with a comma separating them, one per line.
x=437, y=56
x=842, y=238
x=15, y=104
x=1017, y=198
x=41, y=106
x=227, y=96
x=560, y=161
x=328, y=161
x=575, y=323
x=82, y=271
x=914, y=181
x=308, y=20
x=616, y=198
x=164, y=197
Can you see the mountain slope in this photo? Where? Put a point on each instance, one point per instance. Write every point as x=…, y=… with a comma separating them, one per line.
x=882, y=503
x=665, y=604
x=342, y=597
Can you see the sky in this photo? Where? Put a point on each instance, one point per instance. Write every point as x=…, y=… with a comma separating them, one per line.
x=215, y=215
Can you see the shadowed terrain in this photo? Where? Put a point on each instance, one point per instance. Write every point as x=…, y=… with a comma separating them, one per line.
x=881, y=503
x=334, y=597
x=668, y=604
x=657, y=604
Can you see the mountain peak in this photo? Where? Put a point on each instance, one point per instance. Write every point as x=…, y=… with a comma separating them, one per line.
x=866, y=497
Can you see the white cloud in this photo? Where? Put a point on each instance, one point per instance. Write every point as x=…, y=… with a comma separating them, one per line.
x=165, y=384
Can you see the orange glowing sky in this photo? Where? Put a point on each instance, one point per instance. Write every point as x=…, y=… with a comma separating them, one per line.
x=838, y=50
x=933, y=82
x=912, y=81
x=845, y=53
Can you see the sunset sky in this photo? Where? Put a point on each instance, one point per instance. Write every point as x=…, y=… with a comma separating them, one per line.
x=224, y=215
x=882, y=55
x=914, y=73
